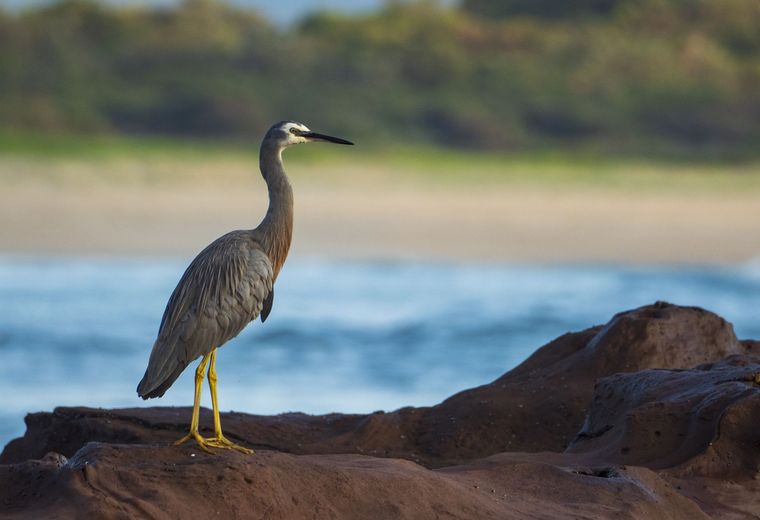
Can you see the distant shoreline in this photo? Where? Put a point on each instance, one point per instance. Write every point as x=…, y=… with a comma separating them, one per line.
x=498, y=223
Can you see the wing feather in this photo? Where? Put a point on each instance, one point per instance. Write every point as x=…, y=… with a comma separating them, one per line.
x=223, y=289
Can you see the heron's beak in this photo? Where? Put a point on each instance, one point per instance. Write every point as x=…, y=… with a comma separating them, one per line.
x=323, y=137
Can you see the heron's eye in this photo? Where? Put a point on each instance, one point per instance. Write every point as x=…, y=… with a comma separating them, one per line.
x=293, y=130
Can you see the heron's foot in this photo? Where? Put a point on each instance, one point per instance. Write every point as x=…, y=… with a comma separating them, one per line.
x=222, y=442
x=204, y=444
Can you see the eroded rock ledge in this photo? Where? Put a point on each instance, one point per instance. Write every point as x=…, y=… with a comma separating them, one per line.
x=654, y=415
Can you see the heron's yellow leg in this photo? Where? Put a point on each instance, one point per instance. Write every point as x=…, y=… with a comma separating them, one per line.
x=219, y=440
x=199, y=374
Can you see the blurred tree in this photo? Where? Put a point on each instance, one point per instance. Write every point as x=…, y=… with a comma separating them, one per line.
x=614, y=74
x=541, y=8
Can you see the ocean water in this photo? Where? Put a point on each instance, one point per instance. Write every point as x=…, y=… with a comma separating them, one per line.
x=343, y=336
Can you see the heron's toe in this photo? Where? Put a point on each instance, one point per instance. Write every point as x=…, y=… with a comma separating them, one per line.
x=222, y=442
x=202, y=443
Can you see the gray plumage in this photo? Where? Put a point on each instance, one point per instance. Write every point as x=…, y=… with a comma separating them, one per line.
x=222, y=290
x=230, y=283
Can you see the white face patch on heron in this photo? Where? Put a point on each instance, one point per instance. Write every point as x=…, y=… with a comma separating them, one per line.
x=292, y=131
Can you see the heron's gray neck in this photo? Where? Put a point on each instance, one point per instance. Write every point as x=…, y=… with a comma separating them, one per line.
x=277, y=227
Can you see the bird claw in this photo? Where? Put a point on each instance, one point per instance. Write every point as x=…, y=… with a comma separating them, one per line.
x=202, y=443
x=220, y=442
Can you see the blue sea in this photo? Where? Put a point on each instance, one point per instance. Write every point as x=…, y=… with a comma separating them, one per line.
x=343, y=336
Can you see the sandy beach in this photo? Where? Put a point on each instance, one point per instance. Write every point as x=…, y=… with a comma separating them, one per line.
x=340, y=214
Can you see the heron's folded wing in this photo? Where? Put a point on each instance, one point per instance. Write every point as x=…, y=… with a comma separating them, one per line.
x=222, y=290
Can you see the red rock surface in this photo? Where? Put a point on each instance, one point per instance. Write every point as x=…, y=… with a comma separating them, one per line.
x=695, y=422
x=138, y=481
x=642, y=442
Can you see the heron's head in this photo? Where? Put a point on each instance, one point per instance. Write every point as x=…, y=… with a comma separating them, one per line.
x=287, y=133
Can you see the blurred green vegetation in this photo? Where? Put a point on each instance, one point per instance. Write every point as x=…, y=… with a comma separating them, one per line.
x=675, y=78
x=85, y=161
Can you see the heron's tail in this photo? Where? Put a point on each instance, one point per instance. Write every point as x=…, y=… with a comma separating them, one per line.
x=161, y=373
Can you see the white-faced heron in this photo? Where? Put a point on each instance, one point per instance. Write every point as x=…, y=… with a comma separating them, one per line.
x=228, y=285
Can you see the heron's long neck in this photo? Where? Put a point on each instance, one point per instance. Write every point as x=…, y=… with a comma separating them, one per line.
x=277, y=227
